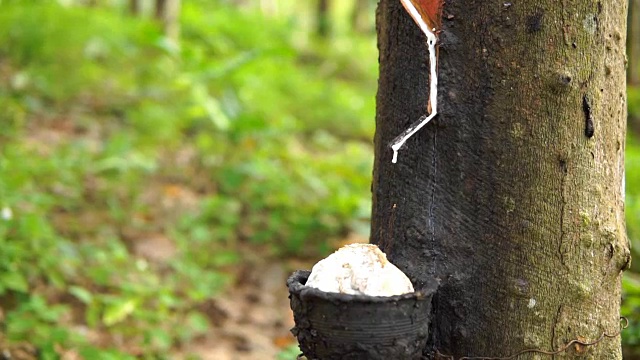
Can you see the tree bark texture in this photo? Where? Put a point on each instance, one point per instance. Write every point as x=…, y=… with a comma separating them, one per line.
x=513, y=197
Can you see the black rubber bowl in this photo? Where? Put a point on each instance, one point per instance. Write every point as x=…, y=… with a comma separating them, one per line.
x=352, y=327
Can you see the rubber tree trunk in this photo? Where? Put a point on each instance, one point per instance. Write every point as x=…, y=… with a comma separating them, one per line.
x=513, y=197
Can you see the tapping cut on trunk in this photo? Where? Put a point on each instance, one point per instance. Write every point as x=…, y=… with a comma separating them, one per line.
x=429, y=11
x=428, y=16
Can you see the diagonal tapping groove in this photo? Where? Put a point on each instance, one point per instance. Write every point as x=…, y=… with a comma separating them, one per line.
x=422, y=17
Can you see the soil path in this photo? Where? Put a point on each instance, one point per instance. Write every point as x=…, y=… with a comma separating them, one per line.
x=251, y=320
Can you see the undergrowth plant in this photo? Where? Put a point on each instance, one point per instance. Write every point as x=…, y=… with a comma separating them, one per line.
x=112, y=134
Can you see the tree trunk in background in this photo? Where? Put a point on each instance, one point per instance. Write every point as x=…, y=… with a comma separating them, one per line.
x=513, y=196
x=634, y=42
x=323, y=18
x=168, y=12
x=360, y=16
x=161, y=8
x=135, y=7
x=269, y=7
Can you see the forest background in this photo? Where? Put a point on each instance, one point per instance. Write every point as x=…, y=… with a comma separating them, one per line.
x=161, y=172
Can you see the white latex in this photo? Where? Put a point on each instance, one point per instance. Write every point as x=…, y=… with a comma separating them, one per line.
x=432, y=39
x=359, y=269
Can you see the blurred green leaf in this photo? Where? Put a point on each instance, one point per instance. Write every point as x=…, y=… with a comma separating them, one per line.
x=118, y=311
x=81, y=293
x=14, y=280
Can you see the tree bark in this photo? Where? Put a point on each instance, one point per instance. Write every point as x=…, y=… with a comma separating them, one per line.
x=513, y=197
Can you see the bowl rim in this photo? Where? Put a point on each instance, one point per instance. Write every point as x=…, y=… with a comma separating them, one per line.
x=295, y=285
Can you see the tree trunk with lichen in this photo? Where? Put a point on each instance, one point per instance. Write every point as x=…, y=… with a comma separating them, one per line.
x=513, y=195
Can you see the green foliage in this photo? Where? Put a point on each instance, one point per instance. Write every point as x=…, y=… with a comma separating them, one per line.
x=107, y=124
x=631, y=309
x=632, y=184
x=633, y=101
x=289, y=353
x=631, y=281
x=58, y=61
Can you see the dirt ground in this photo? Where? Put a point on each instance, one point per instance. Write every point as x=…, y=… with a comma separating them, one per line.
x=251, y=320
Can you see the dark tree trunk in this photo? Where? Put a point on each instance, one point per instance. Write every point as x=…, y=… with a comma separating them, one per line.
x=135, y=7
x=323, y=18
x=161, y=9
x=513, y=196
